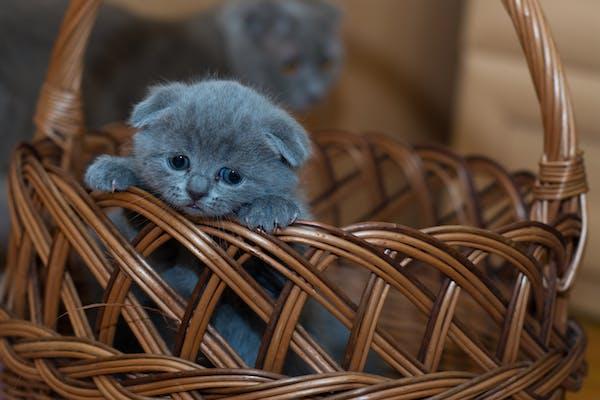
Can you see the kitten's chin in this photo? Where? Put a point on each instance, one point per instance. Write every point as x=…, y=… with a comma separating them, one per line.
x=199, y=211
x=195, y=211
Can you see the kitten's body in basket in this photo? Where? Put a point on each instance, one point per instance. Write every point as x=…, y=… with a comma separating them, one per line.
x=214, y=149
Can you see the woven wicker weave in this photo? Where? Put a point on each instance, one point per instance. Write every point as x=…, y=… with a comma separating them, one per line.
x=473, y=308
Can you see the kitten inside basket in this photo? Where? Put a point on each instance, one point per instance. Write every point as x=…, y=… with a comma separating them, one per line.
x=213, y=149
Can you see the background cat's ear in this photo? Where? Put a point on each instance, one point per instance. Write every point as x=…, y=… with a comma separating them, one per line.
x=288, y=138
x=257, y=18
x=158, y=100
x=332, y=13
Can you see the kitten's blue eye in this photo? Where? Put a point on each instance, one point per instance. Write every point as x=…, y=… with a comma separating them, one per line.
x=179, y=162
x=229, y=176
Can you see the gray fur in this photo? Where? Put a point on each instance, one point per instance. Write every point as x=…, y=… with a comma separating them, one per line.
x=111, y=173
x=268, y=212
x=215, y=124
x=264, y=35
x=248, y=40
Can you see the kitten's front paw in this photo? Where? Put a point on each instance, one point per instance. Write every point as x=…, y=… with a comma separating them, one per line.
x=268, y=213
x=109, y=174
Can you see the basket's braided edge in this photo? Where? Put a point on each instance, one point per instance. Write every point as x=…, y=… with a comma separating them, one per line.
x=41, y=357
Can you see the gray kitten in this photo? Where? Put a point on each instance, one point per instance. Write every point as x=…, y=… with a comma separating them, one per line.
x=214, y=149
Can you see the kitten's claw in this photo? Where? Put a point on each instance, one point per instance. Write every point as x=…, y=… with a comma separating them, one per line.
x=268, y=213
x=110, y=174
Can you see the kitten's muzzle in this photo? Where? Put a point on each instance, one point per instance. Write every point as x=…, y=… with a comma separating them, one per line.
x=196, y=195
x=197, y=187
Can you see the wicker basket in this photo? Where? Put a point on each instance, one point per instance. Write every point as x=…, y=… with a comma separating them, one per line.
x=475, y=307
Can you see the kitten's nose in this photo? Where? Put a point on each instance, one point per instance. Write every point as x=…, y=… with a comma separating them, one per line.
x=194, y=195
x=197, y=187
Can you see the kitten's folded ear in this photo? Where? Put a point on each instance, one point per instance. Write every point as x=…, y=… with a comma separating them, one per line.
x=153, y=107
x=288, y=138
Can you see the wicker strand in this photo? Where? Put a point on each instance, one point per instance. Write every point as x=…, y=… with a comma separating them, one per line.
x=559, y=180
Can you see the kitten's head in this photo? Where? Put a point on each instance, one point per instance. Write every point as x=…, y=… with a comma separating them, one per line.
x=290, y=48
x=208, y=148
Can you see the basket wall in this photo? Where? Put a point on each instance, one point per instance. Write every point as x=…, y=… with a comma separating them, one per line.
x=407, y=297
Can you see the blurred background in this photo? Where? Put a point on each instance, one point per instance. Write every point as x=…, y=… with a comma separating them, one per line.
x=452, y=72
x=400, y=55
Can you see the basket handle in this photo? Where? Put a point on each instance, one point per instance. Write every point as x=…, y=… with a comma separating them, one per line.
x=561, y=180
x=59, y=114
x=561, y=169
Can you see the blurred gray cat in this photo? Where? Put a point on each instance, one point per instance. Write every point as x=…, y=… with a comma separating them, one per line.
x=289, y=49
x=214, y=149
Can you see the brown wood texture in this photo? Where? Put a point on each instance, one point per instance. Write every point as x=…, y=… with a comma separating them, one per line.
x=591, y=389
x=472, y=307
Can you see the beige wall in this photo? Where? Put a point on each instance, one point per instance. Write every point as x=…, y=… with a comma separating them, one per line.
x=400, y=68
x=400, y=65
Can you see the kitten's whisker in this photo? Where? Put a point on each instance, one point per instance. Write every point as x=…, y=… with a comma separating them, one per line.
x=149, y=310
x=146, y=196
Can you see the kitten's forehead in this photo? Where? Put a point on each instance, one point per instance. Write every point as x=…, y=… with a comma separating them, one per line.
x=220, y=118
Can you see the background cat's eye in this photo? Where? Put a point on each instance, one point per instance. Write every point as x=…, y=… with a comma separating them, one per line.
x=179, y=162
x=291, y=65
x=325, y=63
x=229, y=176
